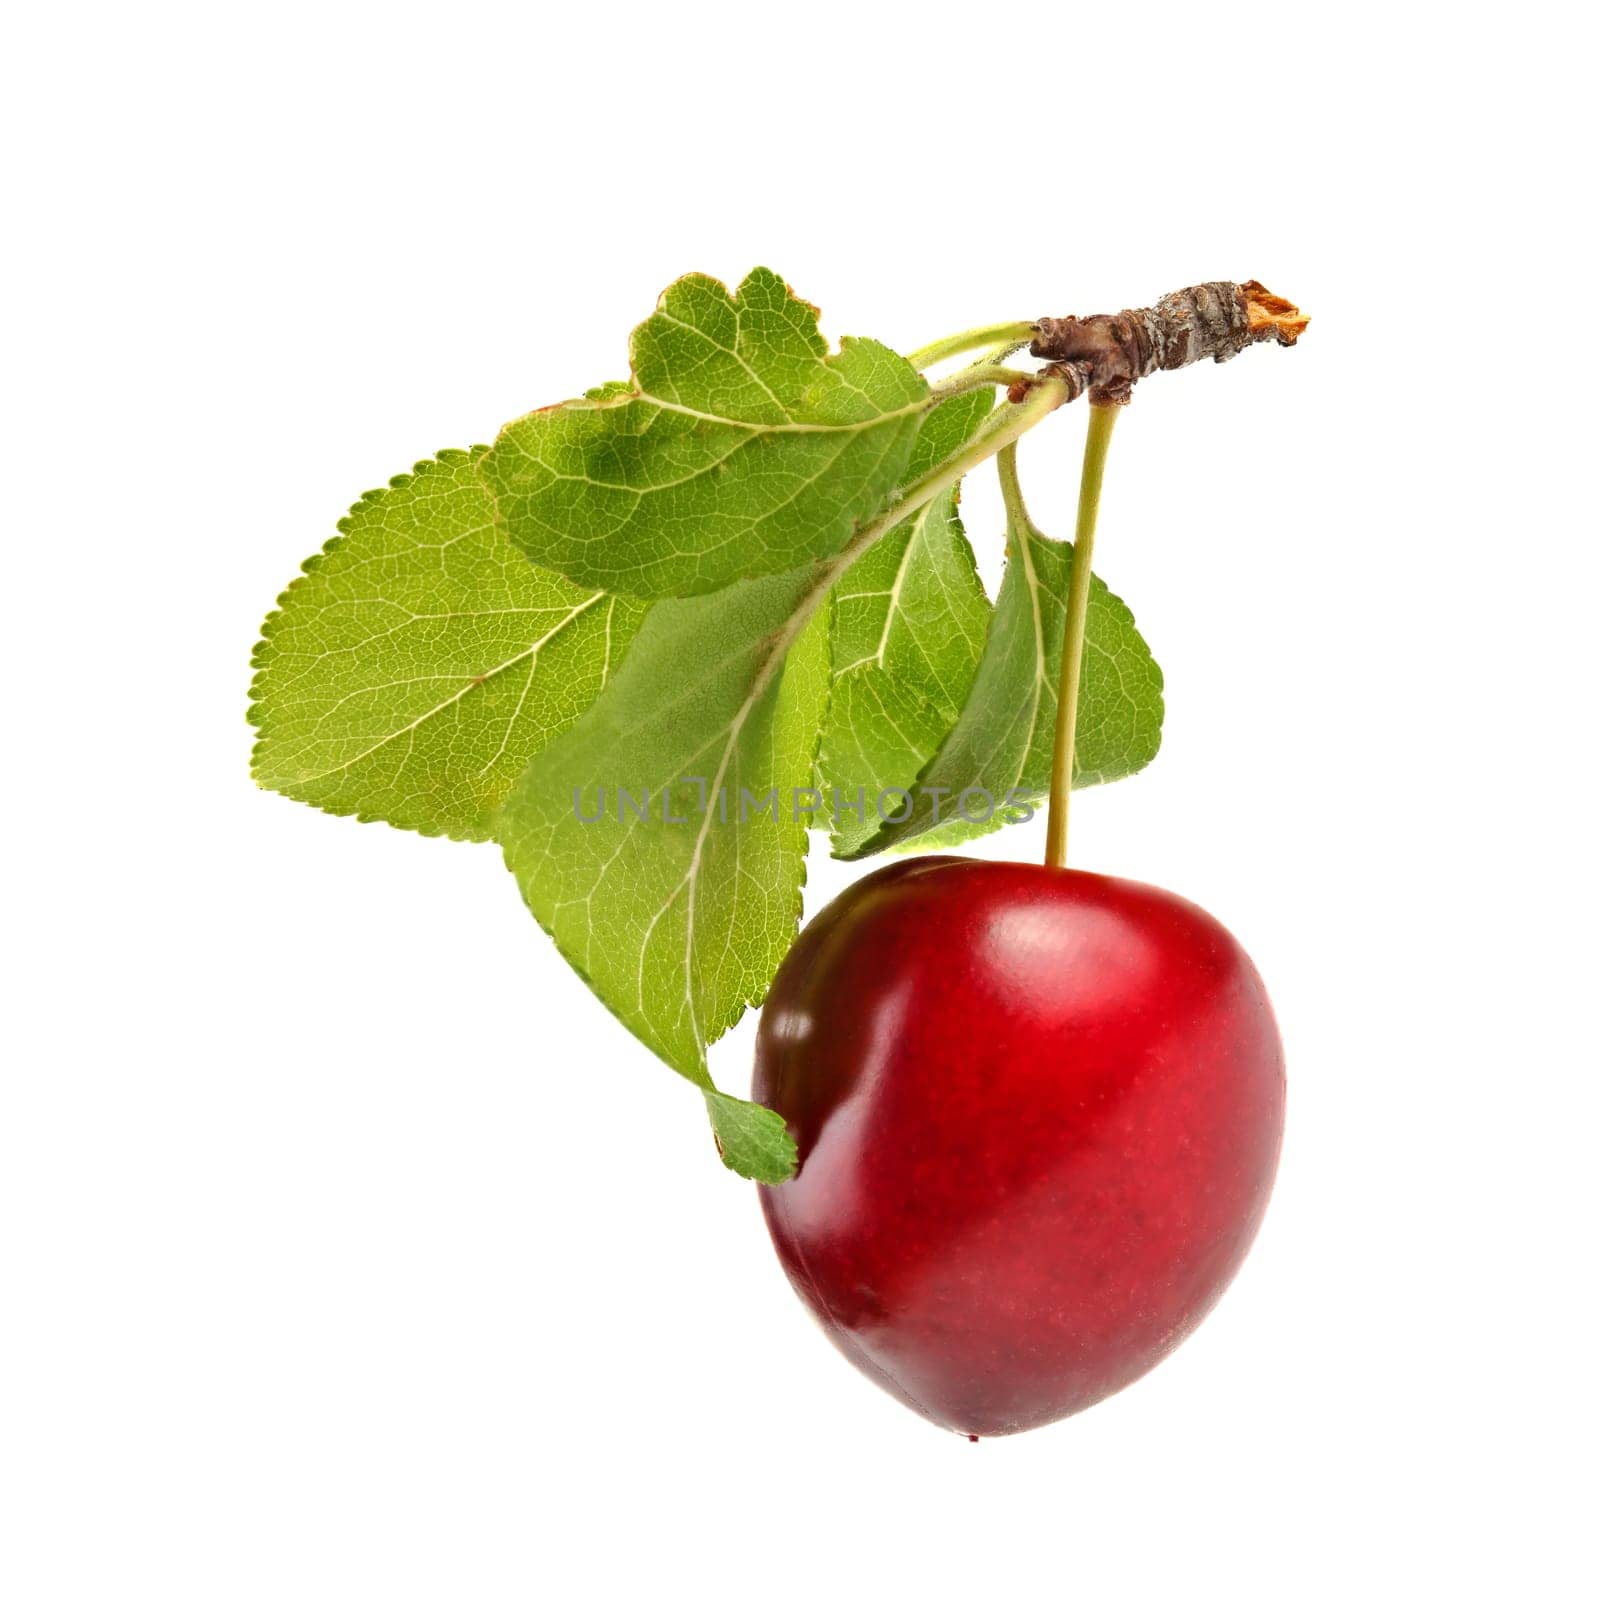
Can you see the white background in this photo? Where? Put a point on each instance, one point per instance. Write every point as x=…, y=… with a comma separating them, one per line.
x=346, y=1247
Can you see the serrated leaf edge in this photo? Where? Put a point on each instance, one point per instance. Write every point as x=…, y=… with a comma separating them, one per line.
x=256, y=715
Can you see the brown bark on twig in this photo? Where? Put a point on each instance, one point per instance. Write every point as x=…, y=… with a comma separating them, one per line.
x=1107, y=355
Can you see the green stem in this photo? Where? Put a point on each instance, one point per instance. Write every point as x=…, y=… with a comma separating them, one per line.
x=1101, y=421
x=996, y=334
x=1017, y=518
x=974, y=377
x=998, y=434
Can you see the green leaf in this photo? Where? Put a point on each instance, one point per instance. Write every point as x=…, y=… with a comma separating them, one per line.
x=677, y=903
x=879, y=735
x=1002, y=741
x=910, y=617
x=752, y=1141
x=421, y=660
x=742, y=448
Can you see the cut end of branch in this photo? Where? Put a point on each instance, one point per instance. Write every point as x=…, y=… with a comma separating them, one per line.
x=1270, y=316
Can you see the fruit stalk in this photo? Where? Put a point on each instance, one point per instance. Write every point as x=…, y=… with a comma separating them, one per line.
x=1102, y=419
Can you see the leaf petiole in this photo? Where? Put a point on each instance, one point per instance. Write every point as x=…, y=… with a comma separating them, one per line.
x=975, y=376
x=1004, y=428
x=1011, y=492
x=996, y=336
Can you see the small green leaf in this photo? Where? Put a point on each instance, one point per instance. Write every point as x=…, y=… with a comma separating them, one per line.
x=1001, y=744
x=742, y=448
x=910, y=619
x=753, y=1141
x=421, y=660
x=637, y=842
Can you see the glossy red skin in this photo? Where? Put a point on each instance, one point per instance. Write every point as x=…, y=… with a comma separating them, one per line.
x=1039, y=1113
